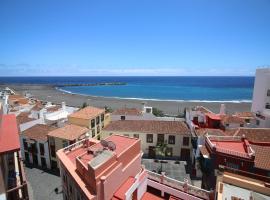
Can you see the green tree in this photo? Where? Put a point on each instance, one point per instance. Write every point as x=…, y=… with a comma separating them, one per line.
x=161, y=150
x=108, y=109
x=84, y=105
x=157, y=112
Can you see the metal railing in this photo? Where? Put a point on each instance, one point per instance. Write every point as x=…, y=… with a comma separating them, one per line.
x=75, y=145
x=182, y=186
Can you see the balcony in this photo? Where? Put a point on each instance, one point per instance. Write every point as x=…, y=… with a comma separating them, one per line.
x=184, y=188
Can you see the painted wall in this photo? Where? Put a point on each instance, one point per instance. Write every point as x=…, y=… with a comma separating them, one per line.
x=145, y=146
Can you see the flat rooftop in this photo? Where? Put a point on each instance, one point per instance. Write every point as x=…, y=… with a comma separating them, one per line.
x=122, y=143
x=9, y=135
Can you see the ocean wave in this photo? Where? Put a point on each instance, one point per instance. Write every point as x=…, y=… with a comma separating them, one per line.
x=150, y=99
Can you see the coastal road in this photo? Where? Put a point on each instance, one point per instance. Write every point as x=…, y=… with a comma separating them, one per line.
x=49, y=93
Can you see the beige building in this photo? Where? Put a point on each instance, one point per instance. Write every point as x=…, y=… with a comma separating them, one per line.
x=92, y=118
x=175, y=134
x=63, y=137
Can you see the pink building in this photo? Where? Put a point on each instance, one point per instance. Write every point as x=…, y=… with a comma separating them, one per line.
x=112, y=169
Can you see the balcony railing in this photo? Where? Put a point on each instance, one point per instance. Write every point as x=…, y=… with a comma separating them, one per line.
x=182, y=186
x=75, y=145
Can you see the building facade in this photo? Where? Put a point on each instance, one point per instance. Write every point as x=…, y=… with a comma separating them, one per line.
x=92, y=118
x=261, y=98
x=34, y=146
x=62, y=137
x=13, y=183
x=112, y=169
x=174, y=134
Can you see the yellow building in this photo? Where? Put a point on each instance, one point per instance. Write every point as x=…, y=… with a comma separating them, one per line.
x=92, y=118
x=63, y=137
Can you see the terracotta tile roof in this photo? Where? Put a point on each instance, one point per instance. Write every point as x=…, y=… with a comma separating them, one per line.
x=38, y=132
x=245, y=115
x=88, y=113
x=127, y=111
x=15, y=96
x=210, y=131
x=53, y=108
x=227, y=119
x=262, y=160
x=213, y=116
x=23, y=118
x=254, y=134
x=9, y=135
x=38, y=107
x=68, y=132
x=148, y=126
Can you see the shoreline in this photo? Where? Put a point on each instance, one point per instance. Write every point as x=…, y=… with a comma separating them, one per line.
x=172, y=107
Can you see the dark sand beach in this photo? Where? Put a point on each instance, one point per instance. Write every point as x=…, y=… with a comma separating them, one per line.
x=49, y=93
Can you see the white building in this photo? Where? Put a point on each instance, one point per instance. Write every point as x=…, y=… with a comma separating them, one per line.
x=34, y=145
x=261, y=98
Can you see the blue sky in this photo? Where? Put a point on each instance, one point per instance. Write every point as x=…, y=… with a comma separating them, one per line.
x=133, y=37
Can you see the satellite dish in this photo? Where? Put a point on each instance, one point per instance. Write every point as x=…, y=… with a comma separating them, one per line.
x=104, y=143
x=111, y=145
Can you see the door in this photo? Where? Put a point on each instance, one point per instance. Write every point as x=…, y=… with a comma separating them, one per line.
x=26, y=157
x=185, y=154
x=35, y=159
x=43, y=163
x=152, y=152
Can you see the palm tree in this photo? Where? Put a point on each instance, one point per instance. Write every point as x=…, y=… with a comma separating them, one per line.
x=161, y=150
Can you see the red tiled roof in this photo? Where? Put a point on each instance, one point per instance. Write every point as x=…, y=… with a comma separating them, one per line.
x=149, y=126
x=254, y=134
x=38, y=132
x=53, y=108
x=209, y=131
x=88, y=113
x=262, y=160
x=9, y=136
x=227, y=119
x=120, y=193
x=246, y=115
x=23, y=118
x=127, y=111
x=38, y=106
x=68, y=132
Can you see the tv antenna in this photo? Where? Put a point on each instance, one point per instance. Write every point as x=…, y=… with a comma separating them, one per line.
x=104, y=143
x=111, y=145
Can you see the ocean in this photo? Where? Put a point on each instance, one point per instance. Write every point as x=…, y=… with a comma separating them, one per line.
x=207, y=89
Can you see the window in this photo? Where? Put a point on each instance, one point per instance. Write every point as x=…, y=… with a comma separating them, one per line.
x=268, y=92
x=102, y=117
x=92, y=123
x=257, y=122
x=52, y=147
x=186, y=141
x=70, y=189
x=52, y=142
x=148, y=110
x=123, y=117
x=25, y=146
x=65, y=143
x=267, y=105
x=149, y=138
x=247, y=120
x=171, y=139
x=232, y=165
x=241, y=125
x=34, y=148
x=136, y=135
x=97, y=119
x=93, y=133
x=160, y=138
x=98, y=130
x=41, y=149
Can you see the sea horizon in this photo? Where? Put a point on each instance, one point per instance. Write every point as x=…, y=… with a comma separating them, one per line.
x=165, y=88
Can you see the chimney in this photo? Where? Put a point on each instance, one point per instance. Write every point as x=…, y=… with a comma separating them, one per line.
x=63, y=106
x=222, y=109
x=143, y=107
